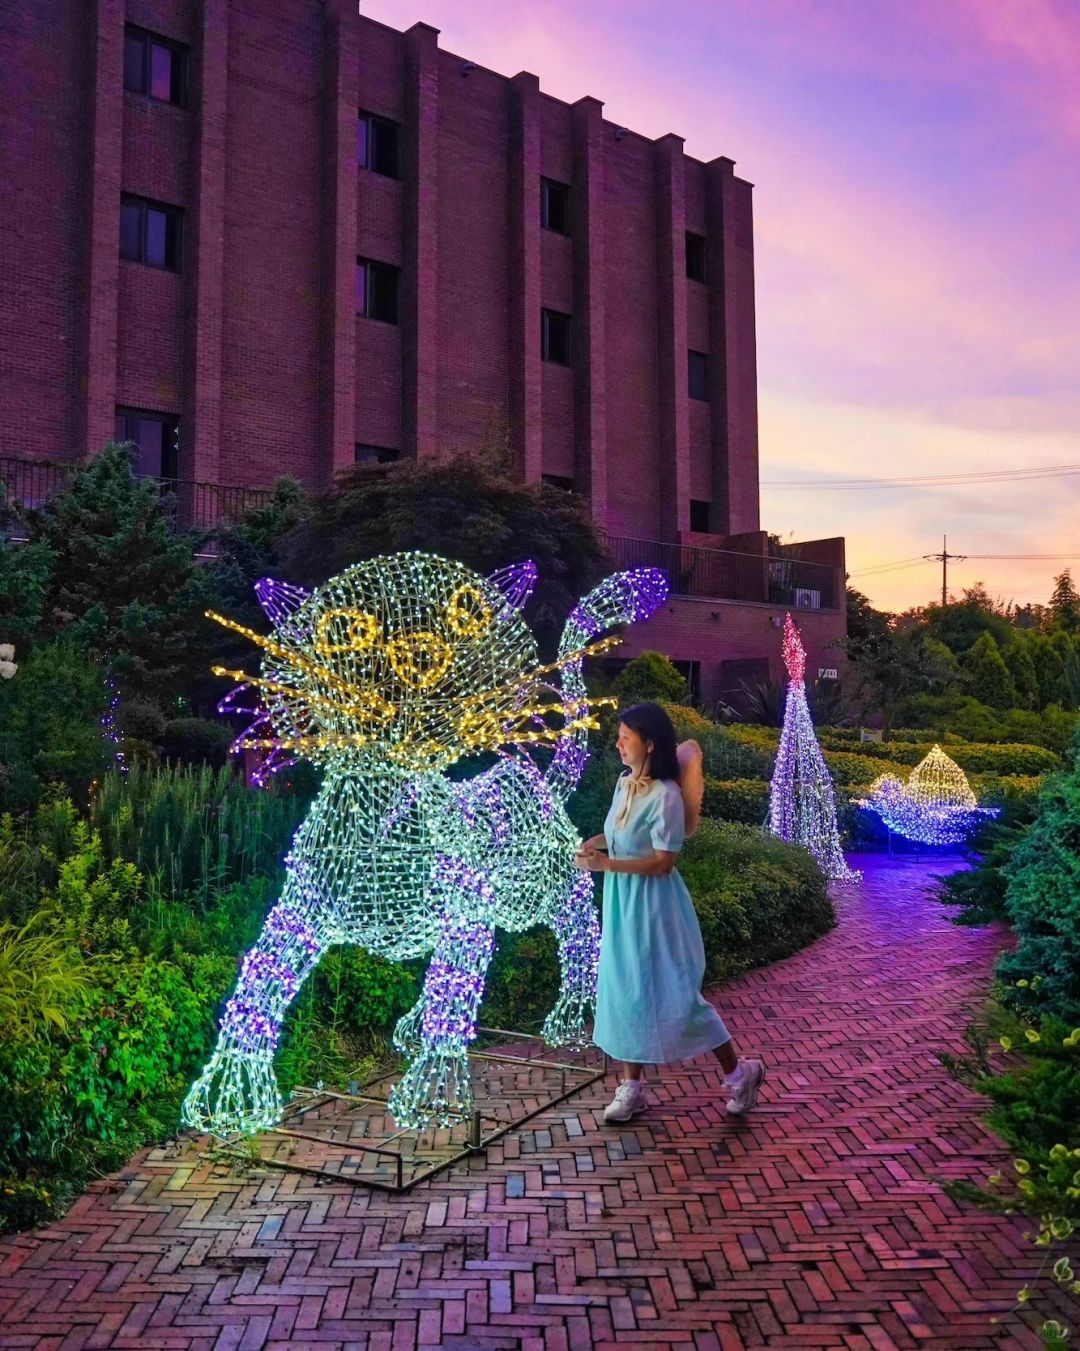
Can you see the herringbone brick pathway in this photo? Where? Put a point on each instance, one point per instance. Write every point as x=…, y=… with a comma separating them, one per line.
x=819, y=1222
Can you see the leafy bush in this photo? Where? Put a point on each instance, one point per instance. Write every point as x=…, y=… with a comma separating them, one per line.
x=726, y=756
x=50, y=712
x=196, y=740
x=849, y=769
x=652, y=677
x=757, y=898
x=195, y=829
x=523, y=980
x=745, y=800
x=364, y=991
x=1043, y=903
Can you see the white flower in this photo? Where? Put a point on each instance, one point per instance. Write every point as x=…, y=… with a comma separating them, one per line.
x=7, y=651
x=7, y=669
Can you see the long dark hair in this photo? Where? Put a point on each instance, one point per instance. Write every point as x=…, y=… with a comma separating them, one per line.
x=651, y=723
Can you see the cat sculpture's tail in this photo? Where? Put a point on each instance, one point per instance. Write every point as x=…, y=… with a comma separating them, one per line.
x=623, y=598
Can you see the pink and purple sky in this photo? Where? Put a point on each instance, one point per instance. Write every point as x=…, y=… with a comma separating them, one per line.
x=917, y=226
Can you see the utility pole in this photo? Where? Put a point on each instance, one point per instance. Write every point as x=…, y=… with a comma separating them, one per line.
x=943, y=558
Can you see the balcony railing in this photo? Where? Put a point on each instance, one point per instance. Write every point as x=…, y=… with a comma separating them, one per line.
x=190, y=506
x=723, y=574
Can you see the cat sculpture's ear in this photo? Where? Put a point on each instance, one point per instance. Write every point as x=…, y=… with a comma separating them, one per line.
x=279, y=599
x=515, y=583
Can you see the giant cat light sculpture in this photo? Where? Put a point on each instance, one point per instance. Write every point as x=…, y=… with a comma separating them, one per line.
x=384, y=677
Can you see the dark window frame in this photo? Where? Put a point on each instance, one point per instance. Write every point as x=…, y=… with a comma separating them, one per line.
x=548, y=341
x=178, y=97
x=366, y=452
x=374, y=146
x=372, y=268
x=170, y=438
x=557, y=195
x=562, y=482
x=697, y=375
x=174, y=213
x=696, y=257
x=700, y=516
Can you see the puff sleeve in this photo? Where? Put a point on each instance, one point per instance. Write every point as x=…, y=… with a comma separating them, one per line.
x=668, y=826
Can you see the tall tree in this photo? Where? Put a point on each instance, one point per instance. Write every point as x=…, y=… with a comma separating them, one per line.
x=1050, y=670
x=959, y=623
x=463, y=509
x=986, y=674
x=122, y=584
x=1065, y=603
x=1018, y=662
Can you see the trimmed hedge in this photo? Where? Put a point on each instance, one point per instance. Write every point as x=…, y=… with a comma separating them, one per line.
x=745, y=800
x=757, y=898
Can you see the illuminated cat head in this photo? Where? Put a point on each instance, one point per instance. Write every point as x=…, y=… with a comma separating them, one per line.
x=407, y=659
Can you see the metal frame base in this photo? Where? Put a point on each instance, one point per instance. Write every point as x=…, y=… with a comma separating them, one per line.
x=386, y=1158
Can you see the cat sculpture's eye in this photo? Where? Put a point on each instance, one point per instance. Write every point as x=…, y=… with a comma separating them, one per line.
x=346, y=631
x=468, y=613
x=420, y=659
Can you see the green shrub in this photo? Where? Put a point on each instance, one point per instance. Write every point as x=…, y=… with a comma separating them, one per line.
x=196, y=740
x=50, y=712
x=1043, y=903
x=849, y=769
x=725, y=756
x=649, y=677
x=745, y=800
x=523, y=980
x=362, y=990
x=986, y=675
x=757, y=898
x=195, y=829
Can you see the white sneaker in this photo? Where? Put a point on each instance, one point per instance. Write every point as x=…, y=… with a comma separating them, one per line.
x=745, y=1089
x=629, y=1099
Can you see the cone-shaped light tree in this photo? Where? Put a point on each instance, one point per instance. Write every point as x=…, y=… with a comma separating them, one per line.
x=802, y=805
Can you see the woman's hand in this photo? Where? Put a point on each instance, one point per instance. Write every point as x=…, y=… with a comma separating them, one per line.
x=591, y=859
x=595, y=842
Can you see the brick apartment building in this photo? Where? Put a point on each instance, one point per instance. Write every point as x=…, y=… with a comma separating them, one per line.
x=262, y=237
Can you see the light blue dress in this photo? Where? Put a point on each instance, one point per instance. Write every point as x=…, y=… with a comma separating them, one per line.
x=649, y=1007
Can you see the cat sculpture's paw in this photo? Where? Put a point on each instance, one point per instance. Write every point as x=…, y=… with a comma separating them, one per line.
x=407, y=1035
x=434, y=1090
x=565, y=1024
x=236, y=1094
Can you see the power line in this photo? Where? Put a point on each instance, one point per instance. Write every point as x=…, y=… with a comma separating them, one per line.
x=931, y=480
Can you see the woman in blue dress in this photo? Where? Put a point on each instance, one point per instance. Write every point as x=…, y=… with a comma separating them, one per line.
x=649, y=1007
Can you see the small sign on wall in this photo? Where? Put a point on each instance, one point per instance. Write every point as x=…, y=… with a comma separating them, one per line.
x=826, y=673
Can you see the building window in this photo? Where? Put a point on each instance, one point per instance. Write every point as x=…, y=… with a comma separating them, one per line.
x=150, y=233
x=559, y=481
x=377, y=290
x=699, y=517
x=157, y=441
x=555, y=206
x=695, y=256
x=555, y=337
x=377, y=144
x=698, y=372
x=370, y=454
x=154, y=66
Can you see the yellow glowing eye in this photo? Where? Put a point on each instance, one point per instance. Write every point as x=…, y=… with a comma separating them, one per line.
x=420, y=659
x=346, y=631
x=468, y=613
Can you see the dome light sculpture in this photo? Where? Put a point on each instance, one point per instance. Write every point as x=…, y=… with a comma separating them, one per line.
x=936, y=805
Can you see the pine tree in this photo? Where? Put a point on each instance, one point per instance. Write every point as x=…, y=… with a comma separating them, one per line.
x=1065, y=603
x=802, y=805
x=988, y=677
x=122, y=585
x=1050, y=670
x=1019, y=663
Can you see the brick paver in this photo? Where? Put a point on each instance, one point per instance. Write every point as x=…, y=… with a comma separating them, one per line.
x=819, y=1222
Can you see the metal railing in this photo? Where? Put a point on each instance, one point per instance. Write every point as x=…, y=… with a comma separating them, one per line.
x=189, y=505
x=723, y=574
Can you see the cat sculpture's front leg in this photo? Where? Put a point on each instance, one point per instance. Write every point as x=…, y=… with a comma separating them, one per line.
x=237, y=1092
x=578, y=934
x=436, y=1086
